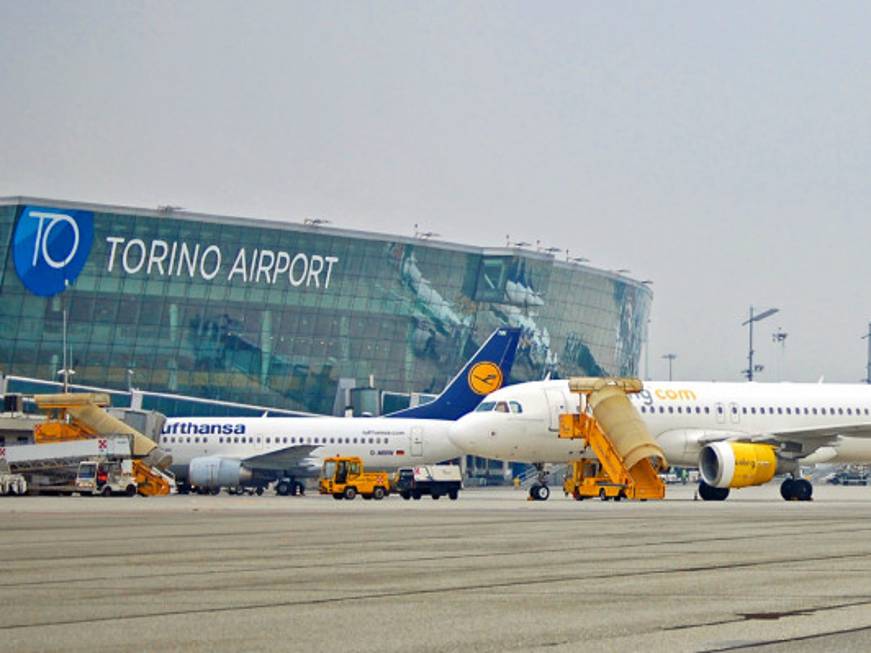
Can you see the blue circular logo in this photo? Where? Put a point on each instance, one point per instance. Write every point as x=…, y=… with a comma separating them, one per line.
x=50, y=247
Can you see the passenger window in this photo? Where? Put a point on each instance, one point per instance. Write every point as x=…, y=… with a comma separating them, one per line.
x=734, y=410
x=719, y=410
x=814, y=411
x=671, y=409
x=840, y=411
x=780, y=411
x=189, y=440
x=788, y=410
x=849, y=411
x=823, y=411
x=644, y=409
x=698, y=410
x=707, y=410
x=661, y=409
x=385, y=440
x=680, y=409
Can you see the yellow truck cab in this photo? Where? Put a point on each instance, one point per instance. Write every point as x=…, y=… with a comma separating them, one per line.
x=344, y=478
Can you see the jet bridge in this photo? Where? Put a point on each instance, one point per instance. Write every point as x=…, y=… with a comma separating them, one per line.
x=628, y=459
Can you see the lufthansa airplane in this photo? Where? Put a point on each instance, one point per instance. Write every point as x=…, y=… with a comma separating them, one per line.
x=724, y=429
x=211, y=453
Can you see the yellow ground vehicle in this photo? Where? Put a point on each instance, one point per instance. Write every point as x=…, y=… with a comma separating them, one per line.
x=345, y=478
x=627, y=458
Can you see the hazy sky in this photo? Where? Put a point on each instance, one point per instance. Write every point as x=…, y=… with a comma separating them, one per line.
x=721, y=150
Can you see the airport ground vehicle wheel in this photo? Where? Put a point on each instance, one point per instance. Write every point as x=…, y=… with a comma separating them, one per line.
x=710, y=493
x=350, y=493
x=602, y=494
x=436, y=497
x=453, y=495
x=577, y=496
x=338, y=497
x=130, y=490
x=415, y=495
x=106, y=491
x=299, y=488
x=259, y=491
x=183, y=488
x=405, y=495
x=215, y=491
x=378, y=493
x=282, y=489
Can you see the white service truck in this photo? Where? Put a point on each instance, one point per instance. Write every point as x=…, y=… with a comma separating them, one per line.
x=55, y=467
x=433, y=480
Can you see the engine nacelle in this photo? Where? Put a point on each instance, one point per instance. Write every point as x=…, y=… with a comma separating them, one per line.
x=214, y=472
x=737, y=464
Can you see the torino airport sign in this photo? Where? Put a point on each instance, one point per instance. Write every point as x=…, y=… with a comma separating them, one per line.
x=51, y=247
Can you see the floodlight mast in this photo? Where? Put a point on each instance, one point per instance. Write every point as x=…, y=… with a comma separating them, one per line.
x=749, y=323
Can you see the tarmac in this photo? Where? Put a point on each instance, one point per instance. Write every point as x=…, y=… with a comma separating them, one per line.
x=489, y=572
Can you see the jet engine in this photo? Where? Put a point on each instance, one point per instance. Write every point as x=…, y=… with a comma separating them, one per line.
x=737, y=464
x=214, y=472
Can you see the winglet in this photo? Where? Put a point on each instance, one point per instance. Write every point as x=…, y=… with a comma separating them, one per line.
x=488, y=370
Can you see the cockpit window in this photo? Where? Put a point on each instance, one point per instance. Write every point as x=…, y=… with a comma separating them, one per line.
x=516, y=407
x=485, y=406
x=502, y=407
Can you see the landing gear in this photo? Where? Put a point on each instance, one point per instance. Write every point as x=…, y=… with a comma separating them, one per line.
x=539, y=491
x=711, y=493
x=796, y=489
x=290, y=487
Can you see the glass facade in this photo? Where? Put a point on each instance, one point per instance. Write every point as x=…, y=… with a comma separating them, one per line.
x=276, y=314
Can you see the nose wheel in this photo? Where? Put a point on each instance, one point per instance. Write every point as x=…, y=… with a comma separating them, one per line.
x=797, y=489
x=538, y=492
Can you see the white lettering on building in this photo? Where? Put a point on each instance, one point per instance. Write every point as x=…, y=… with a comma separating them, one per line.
x=179, y=258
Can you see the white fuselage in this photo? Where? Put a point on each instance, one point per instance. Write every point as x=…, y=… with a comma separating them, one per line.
x=681, y=416
x=382, y=443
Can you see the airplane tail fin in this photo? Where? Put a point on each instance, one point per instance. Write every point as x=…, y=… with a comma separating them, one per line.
x=486, y=371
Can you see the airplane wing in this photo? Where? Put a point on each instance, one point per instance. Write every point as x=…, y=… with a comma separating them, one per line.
x=283, y=459
x=799, y=443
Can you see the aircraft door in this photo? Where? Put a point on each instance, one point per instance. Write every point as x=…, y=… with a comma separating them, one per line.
x=556, y=404
x=720, y=409
x=734, y=413
x=416, y=441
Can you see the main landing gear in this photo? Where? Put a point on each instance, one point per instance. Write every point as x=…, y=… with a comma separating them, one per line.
x=797, y=489
x=539, y=491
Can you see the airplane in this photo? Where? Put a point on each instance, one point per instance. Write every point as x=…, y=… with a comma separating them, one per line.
x=772, y=428
x=235, y=452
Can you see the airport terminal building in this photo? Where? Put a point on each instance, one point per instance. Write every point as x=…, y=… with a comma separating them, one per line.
x=287, y=315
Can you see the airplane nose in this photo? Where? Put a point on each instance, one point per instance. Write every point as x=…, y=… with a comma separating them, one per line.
x=469, y=436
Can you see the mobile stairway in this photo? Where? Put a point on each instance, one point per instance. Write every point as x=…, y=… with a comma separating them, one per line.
x=627, y=459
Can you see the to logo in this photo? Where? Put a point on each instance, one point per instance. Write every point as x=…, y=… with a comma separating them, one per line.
x=51, y=247
x=485, y=377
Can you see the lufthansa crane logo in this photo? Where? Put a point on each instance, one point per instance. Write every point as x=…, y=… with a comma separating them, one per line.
x=485, y=377
x=51, y=247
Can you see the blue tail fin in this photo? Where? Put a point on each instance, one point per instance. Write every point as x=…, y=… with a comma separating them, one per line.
x=488, y=370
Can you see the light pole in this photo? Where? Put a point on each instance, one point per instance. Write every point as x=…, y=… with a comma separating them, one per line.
x=749, y=323
x=779, y=337
x=867, y=337
x=670, y=358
